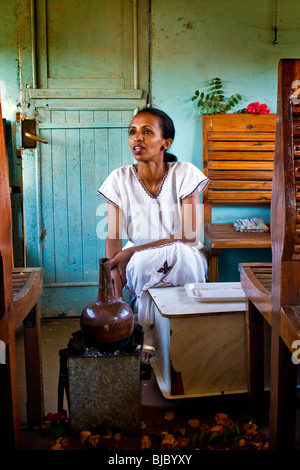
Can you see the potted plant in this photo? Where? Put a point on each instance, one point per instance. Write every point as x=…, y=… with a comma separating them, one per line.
x=214, y=101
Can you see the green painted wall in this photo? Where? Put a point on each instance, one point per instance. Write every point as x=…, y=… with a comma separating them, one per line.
x=9, y=74
x=192, y=42
x=196, y=40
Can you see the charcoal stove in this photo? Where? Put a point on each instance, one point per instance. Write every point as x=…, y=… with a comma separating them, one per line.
x=103, y=388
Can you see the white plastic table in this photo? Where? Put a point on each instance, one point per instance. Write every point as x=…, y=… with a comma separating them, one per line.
x=200, y=346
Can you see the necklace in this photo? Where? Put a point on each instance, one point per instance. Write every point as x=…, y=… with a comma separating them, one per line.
x=145, y=187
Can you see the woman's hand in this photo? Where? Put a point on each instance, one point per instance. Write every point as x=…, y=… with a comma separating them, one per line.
x=120, y=261
x=117, y=283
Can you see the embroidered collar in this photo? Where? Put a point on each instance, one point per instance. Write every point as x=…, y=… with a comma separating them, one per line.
x=144, y=187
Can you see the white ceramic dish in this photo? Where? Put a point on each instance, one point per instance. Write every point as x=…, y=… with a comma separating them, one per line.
x=216, y=291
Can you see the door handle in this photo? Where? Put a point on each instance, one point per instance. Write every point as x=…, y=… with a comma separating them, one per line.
x=28, y=133
x=35, y=137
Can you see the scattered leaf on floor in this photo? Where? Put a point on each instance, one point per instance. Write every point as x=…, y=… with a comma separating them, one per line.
x=146, y=442
x=84, y=435
x=194, y=423
x=169, y=415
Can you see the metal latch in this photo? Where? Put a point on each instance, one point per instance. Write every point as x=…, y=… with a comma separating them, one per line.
x=28, y=133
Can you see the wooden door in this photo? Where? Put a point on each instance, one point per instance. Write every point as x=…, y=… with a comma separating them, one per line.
x=83, y=74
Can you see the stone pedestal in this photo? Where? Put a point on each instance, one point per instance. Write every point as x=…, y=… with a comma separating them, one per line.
x=105, y=391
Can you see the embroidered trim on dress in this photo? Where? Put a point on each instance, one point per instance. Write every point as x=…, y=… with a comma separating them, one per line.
x=101, y=194
x=144, y=187
x=206, y=181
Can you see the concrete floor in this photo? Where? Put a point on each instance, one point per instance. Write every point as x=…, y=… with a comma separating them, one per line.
x=55, y=336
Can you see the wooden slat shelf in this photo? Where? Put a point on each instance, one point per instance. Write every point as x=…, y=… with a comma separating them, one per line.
x=238, y=159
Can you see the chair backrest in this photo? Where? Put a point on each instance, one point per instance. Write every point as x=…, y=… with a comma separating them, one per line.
x=285, y=207
x=238, y=155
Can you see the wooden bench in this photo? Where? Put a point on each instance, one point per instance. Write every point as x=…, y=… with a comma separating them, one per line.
x=20, y=292
x=238, y=154
x=27, y=291
x=273, y=290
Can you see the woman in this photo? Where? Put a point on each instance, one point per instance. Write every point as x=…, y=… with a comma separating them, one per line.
x=156, y=202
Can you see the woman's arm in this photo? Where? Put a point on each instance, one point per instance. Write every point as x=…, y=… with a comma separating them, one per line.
x=190, y=233
x=191, y=219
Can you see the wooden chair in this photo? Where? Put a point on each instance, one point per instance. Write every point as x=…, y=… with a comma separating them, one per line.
x=273, y=289
x=27, y=291
x=238, y=154
x=9, y=399
x=20, y=292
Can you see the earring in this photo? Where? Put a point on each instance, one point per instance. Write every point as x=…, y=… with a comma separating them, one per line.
x=162, y=147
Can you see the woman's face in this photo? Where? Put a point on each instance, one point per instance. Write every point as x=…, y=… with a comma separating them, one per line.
x=145, y=137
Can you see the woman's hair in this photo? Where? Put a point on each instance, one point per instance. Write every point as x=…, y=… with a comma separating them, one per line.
x=167, y=128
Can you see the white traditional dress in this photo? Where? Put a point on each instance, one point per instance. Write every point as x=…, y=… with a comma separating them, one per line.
x=148, y=218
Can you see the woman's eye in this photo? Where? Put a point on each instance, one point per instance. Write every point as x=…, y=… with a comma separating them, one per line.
x=131, y=131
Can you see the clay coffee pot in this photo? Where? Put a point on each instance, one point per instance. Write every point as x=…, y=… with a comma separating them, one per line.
x=107, y=323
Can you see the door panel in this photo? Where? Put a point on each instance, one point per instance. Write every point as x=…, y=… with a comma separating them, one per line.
x=72, y=167
x=78, y=158
x=86, y=44
x=82, y=80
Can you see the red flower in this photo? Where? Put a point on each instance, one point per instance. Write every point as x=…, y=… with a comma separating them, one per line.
x=256, y=108
x=56, y=418
x=252, y=108
x=263, y=109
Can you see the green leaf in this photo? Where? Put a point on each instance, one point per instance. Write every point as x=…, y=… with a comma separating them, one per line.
x=237, y=429
x=228, y=434
x=195, y=440
x=214, y=100
x=201, y=438
x=213, y=437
